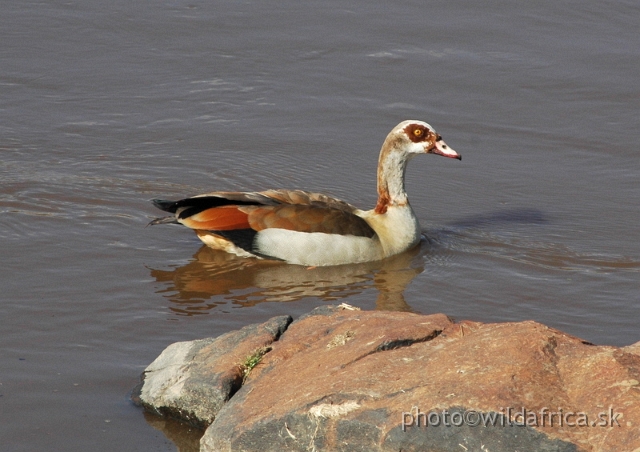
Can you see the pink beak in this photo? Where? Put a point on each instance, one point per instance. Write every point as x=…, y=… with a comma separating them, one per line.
x=441, y=148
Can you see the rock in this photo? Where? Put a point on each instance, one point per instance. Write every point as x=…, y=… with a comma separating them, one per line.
x=191, y=381
x=633, y=348
x=345, y=380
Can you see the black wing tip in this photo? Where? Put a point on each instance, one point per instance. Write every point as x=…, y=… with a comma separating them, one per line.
x=167, y=206
x=197, y=204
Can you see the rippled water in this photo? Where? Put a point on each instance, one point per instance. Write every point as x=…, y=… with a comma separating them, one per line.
x=107, y=105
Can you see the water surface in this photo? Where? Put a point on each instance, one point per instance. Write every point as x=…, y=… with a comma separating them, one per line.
x=107, y=105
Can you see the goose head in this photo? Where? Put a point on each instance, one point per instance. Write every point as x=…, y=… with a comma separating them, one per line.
x=405, y=141
x=417, y=137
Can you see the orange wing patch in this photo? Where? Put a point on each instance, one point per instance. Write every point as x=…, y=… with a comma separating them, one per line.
x=225, y=218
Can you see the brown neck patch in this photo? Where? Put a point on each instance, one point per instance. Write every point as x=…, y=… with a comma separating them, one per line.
x=383, y=203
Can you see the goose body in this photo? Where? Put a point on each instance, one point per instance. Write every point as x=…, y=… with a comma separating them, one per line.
x=311, y=228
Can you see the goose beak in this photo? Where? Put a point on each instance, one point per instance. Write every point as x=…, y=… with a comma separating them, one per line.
x=441, y=148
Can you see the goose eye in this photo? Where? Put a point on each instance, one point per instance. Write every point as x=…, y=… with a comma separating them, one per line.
x=418, y=132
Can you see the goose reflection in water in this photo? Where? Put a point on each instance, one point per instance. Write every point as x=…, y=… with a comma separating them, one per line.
x=214, y=278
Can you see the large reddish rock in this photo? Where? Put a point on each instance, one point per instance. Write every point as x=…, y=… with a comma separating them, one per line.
x=348, y=380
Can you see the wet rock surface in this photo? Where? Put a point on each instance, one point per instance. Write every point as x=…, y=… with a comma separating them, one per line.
x=339, y=379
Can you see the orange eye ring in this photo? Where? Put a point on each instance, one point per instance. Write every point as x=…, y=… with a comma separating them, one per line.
x=418, y=132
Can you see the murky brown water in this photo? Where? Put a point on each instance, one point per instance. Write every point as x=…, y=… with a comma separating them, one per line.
x=104, y=106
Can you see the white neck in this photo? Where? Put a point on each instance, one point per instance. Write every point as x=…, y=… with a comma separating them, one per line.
x=392, y=165
x=393, y=218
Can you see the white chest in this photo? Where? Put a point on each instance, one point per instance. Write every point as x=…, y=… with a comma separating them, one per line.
x=398, y=229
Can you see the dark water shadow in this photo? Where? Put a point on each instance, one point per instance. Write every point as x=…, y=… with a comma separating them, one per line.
x=502, y=218
x=481, y=235
x=214, y=278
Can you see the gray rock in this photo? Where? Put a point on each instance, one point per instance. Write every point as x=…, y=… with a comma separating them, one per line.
x=191, y=381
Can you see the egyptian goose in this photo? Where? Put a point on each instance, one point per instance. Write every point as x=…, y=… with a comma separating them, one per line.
x=310, y=228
